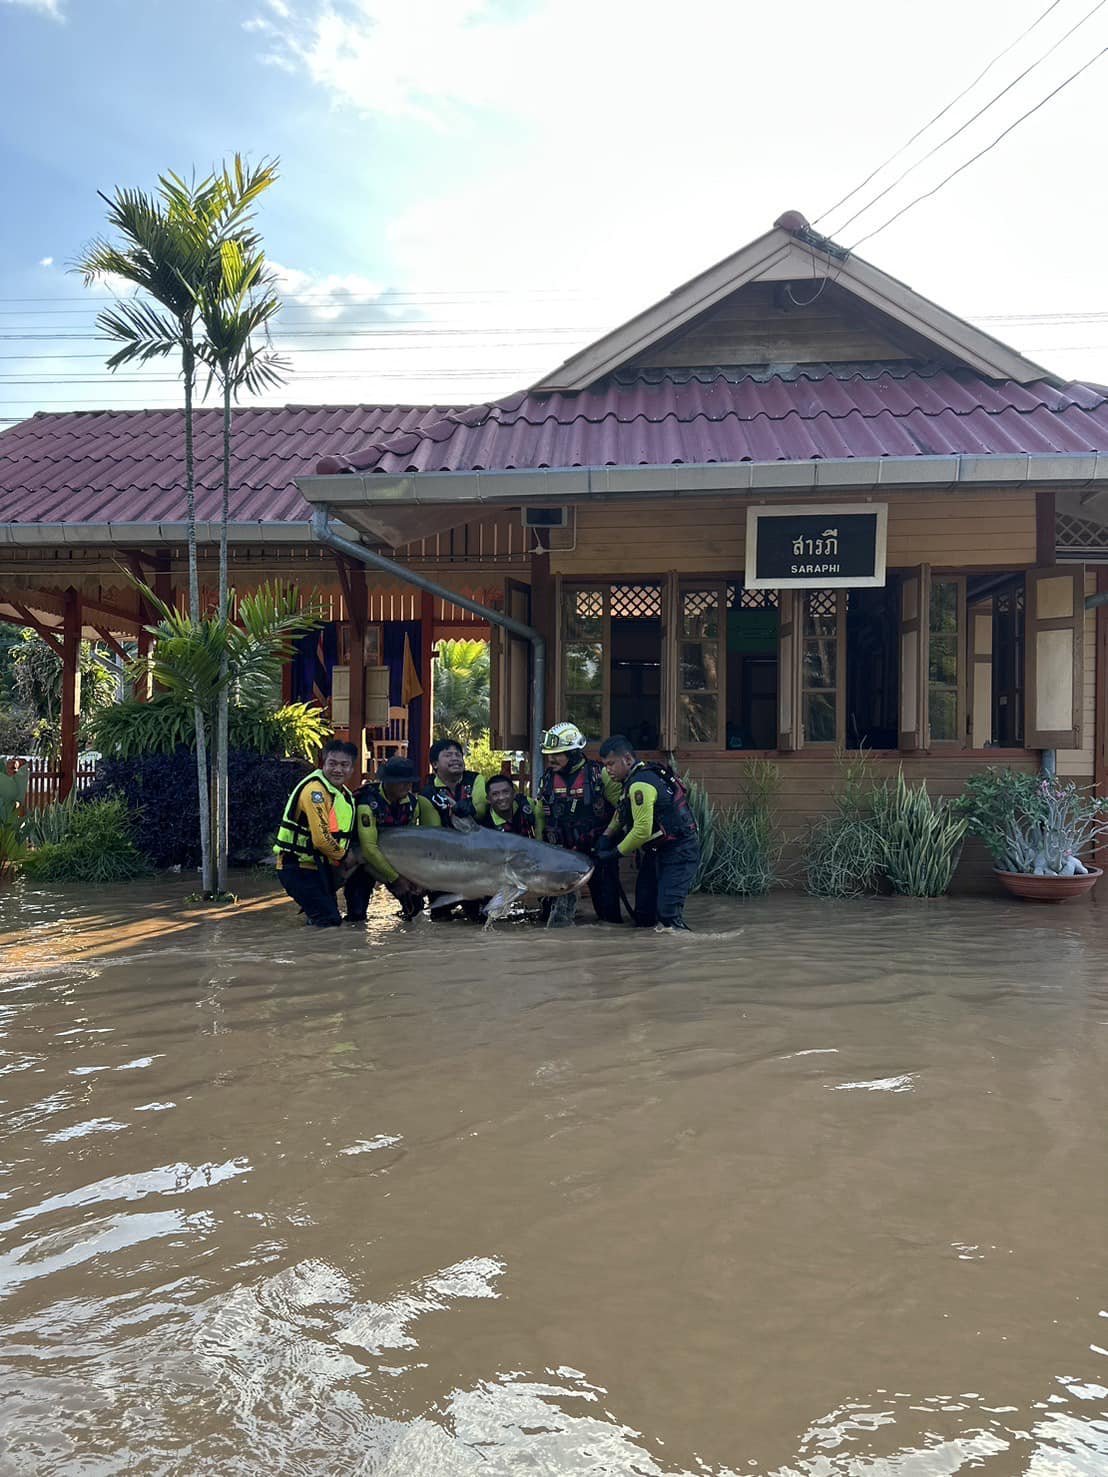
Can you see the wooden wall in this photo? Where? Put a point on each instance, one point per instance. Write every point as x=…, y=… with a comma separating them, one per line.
x=808, y=782
x=762, y=324
x=987, y=529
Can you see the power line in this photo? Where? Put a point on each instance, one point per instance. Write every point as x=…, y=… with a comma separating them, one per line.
x=74, y=336
x=463, y=296
x=981, y=152
x=940, y=114
x=973, y=119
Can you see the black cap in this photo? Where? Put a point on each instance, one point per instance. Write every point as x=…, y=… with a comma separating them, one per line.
x=397, y=769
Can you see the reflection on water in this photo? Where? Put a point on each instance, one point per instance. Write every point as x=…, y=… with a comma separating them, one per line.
x=819, y=1190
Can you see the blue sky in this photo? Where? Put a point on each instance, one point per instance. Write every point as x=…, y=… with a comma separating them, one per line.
x=511, y=177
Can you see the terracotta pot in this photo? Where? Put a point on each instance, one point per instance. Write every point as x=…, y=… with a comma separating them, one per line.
x=1048, y=889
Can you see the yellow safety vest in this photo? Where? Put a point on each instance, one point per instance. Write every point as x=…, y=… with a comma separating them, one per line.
x=294, y=837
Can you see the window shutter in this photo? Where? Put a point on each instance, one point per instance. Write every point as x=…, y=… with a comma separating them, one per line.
x=915, y=589
x=789, y=732
x=981, y=674
x=1055, y=656
x=512, y=660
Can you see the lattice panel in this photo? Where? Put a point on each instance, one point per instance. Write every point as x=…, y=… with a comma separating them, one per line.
x=697, y=603
x=636, y=602
x=821, y=603
x=1079, y=533
x=751, y=599
x=588, y=605
x=1004, y=602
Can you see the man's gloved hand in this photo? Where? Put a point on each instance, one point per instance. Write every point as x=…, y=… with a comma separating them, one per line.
x=606, y=849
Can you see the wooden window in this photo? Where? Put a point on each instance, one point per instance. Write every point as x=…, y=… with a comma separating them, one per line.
x=821, y=653
x=946, y=663
x=612, y=643
x=702, y=629
x=584, y=630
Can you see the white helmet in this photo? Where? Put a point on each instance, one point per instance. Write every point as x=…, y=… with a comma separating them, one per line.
x=562, y=739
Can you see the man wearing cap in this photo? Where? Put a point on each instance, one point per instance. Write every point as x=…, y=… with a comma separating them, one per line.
x=379, y=804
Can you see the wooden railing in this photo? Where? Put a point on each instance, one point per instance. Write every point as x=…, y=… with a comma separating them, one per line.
x=44, y=783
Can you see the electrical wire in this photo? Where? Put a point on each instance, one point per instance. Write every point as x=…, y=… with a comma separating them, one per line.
x=973, y=119
x=940, y=114
x=981, y=152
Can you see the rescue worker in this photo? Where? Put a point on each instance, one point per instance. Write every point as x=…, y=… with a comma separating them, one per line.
x=653, y=819
x=380, y=804
x=578, y=801
x=508, y=810
x=314, y=837
x=454, y=790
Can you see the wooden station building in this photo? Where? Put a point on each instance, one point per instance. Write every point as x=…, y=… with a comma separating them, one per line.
x=792, y=508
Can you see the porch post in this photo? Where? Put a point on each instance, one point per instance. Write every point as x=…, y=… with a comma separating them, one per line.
x=427, y=677
x=162, y=586
x=1100, y=738
x=544, y=619
x=141, y=688
x=357, y=610
x=71, y=692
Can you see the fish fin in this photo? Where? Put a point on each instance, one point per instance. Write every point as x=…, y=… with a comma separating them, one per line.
x=464, y=824
x=498, y=906
x=447, y=900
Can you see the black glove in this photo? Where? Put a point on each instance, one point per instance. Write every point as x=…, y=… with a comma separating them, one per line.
x=606, y=849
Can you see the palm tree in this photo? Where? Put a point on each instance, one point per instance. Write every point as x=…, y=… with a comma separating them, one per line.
x=462, y=690
x=198, y=661
x=235, y=306
x=171, y=251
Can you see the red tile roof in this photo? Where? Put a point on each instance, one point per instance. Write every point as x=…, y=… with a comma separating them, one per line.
x=129, y=466
x=671, y=417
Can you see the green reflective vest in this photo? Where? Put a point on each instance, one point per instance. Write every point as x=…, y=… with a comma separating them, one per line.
x=294, y=835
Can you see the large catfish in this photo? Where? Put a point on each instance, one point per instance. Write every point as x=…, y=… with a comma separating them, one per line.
x=471, y=861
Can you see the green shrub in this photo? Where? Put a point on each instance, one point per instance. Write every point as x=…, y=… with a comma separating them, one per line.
x=707, y=824
x=746, y=844
x=99, y=847
x=130, y=730
x=13, y=794
x=17, y=731
x=49, y=824
x=844, y=857
x=843, y=850
x=159, y=790
x=921, y=838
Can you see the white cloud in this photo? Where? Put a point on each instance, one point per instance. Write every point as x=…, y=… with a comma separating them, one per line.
x=51, y=8
x=46, y=261
x=614, y=150
x=279, y=60
x=256, y=23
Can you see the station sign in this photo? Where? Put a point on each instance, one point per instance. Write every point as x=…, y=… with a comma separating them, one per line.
x=831, y=547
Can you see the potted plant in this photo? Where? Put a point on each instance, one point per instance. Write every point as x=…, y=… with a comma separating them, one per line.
x=1036, y=829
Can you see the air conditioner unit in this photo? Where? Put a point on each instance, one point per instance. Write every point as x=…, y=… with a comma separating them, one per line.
x=545, y=517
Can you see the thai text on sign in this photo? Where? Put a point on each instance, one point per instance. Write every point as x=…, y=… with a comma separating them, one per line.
x=818, y=547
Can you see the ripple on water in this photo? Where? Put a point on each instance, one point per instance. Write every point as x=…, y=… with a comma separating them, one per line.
x=575, y=1203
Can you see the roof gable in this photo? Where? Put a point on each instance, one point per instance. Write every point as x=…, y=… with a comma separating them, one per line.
x=748, y=304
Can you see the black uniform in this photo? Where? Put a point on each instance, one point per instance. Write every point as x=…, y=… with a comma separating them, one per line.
x=668, y=862
x=577, y=815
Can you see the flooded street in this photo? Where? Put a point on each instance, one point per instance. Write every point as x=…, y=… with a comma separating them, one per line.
x=818, y=1190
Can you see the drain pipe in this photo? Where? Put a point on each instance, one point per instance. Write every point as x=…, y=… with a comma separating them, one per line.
x=322, y=530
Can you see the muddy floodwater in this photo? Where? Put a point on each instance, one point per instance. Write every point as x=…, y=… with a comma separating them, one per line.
x=818, y=1190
